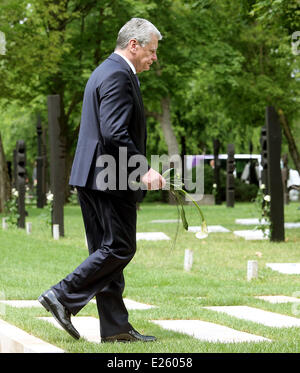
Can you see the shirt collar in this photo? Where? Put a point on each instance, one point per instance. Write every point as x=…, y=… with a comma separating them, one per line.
x=127, y=60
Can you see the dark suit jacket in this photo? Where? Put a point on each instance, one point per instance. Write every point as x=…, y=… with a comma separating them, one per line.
x=112, y=117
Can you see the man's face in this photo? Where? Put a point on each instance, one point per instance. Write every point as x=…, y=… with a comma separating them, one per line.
x=146, y=55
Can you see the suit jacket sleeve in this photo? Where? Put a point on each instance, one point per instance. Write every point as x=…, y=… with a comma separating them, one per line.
x=116, y=114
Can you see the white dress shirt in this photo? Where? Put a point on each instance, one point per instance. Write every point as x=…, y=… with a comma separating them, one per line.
x=127, y=60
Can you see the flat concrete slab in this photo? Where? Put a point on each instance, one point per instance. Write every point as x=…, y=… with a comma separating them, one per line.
x=278, y=299
x=207, y=331
x=195, y=228
x=21, y=303
x=152, y=236
x=250, y=221
x=259, y=316
x=88, y=327
x=210, y=229
x=133, y=305
x=286, y=268
x=291, y=225
x=255, y=221
x=16, y=340
x=252, y=234
x=130, y=304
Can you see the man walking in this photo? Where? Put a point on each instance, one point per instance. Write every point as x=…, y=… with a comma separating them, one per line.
x=112, y=119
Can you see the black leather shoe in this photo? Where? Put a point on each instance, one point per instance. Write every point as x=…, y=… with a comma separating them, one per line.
x=131, y=336
x=59, y=312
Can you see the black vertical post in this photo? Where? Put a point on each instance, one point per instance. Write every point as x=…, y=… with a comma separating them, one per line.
x=216, y=144
x=14, y=168
x=20, y=181
x=9, y=170
x=252, y=169
x=40, y=175
x=274, y=175
x=230, y=176
x=264, y=158
x=46, y=165
x=57, y=163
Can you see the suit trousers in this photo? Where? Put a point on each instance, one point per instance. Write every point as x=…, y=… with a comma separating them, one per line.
x=110, y=226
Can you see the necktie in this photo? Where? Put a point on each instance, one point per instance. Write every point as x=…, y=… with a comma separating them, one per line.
x=137, y=79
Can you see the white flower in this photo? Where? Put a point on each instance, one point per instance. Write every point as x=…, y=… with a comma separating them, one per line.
x=214, y=186
x=15, y=193
x=262, y=186
x=267, y=198
x=201, y=235
x=49, y=197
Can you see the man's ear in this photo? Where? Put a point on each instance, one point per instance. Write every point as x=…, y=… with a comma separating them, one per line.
x=133, y=43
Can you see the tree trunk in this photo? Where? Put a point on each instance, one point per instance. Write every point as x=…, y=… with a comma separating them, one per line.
x=165, y=121
x=173, y=149
x=166, y=125
x=5, y=189
x=290, y=139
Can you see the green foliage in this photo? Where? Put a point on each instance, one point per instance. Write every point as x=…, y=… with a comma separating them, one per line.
x=220, y=62
x=47, y=210
x=262, y=202
x=242, y=192
x=157, y=196
x=11, y=209
x=283, y=13
x=18, y=123
x=242, y=67
x=208, y=179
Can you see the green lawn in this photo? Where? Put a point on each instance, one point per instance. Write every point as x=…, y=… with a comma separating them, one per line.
x=32, y=263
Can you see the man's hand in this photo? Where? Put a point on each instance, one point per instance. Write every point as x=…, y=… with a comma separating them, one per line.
x=153, y=180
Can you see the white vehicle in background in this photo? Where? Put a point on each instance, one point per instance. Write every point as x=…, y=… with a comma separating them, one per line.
x=243, y=161
x=294, y=179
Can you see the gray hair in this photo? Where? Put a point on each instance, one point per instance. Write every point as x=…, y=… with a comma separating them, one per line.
x=139, y=29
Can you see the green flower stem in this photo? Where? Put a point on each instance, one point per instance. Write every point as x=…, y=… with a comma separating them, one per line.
x=175, y=185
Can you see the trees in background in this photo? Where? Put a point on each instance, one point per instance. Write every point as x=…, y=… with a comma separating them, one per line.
x=280, y=21
x=220, y=64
